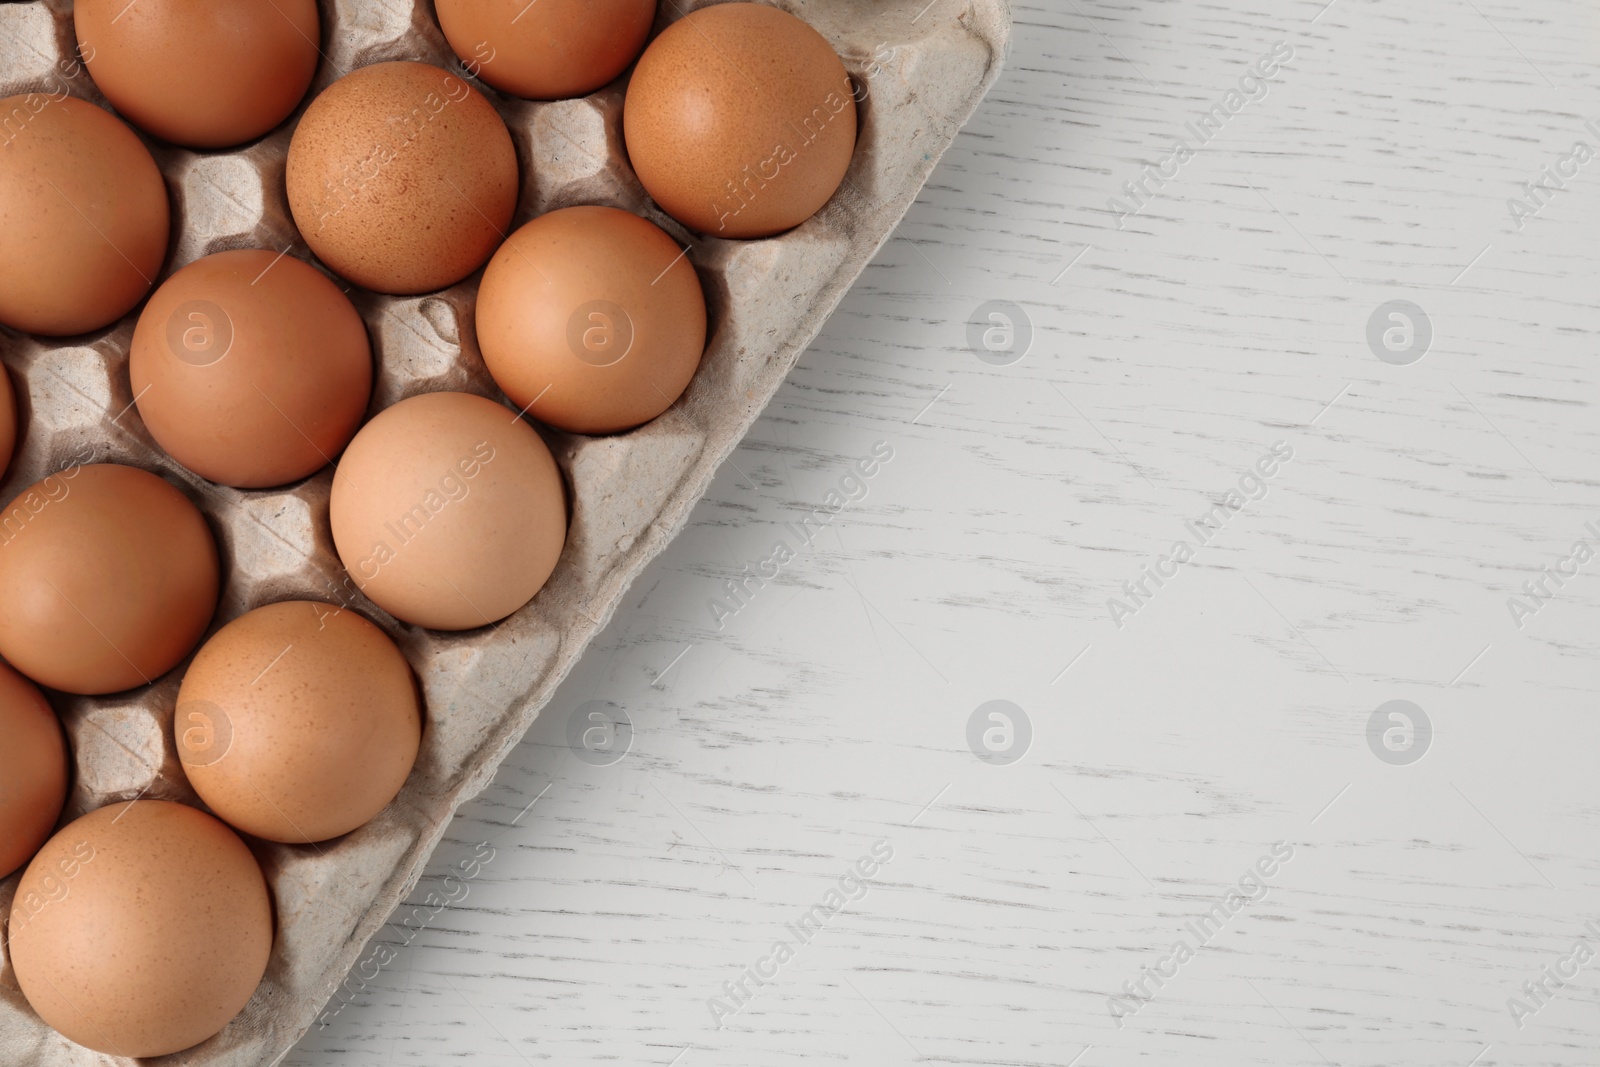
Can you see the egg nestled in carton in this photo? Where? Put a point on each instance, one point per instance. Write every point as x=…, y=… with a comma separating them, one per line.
x=625, y=478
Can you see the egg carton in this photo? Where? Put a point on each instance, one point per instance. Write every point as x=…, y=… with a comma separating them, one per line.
x=919, y=69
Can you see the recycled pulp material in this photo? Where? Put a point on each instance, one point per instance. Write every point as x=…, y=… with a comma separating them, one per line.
x=920, y=70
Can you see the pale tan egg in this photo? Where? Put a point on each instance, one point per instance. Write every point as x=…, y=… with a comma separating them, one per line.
x=298, y=721
x=448, y=511
x=83, y=216
x=401, y=177
x=591, y=319
x=33, y=769
x=201, y=73
x=251, y=368
x=108, y=577
x=740, y=120
x=141, y=928
x=547, y=50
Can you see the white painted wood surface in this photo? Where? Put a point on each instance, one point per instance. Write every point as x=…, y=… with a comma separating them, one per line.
x=1229, y=713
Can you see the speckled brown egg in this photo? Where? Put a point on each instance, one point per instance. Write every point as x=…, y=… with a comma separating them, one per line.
x=448, y=511
x=548, y=50
x=298, y=721
x=402, y=178
x=33, y=770
x=108, y=577
x=141, y=929
x=202, y=73
x=740, y=120
x=591, y=319
x=83, y=216
x=8, y=419
x=251, y=368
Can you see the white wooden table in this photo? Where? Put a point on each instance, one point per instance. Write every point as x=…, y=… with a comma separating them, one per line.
x=1228, y=712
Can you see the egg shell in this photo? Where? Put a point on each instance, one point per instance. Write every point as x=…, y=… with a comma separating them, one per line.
x=550, y=50
x=34, y=769
x=448, y=511
x=402, y=178
x=141, y=928
x=591, y=319
x=298, y=721
x=251, y=368
x=83, y=216
x=201, y=73
x=740, y=120
x=108, y=577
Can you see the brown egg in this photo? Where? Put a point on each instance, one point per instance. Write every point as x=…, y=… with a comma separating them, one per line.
x=740, y=120
x=298, y=721
x=448, y=511
x=402, y=178
x=8, y=419
x=591, y=319
x=202, y=73
x=250, y=368
x=83, y=216
x=108, y=577
x=141, y=929
x=33, y=770
x=548, y=50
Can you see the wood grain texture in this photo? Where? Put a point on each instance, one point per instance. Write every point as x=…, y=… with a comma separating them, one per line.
x=1168, y=754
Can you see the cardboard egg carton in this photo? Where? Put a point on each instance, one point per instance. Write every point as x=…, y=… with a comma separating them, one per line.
x=920, y=69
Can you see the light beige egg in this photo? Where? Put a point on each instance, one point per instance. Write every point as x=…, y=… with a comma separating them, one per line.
x=448, y=511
